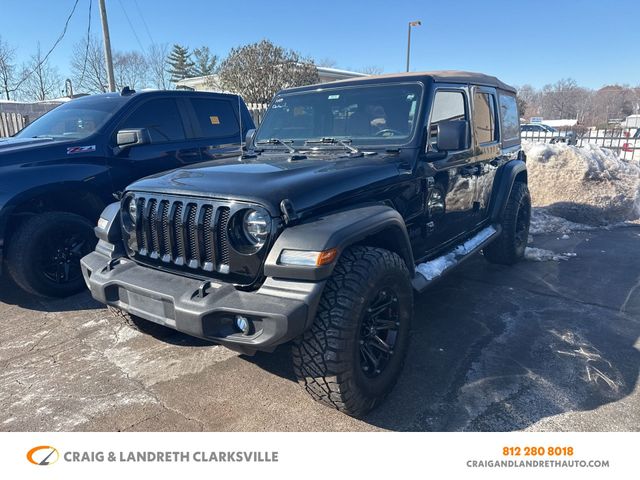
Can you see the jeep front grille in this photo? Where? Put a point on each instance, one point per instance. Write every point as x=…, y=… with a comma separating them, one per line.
x=182, y=232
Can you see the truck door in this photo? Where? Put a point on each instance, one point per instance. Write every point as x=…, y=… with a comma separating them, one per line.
x=168, y=148
x=216, y=123
x=486, y=124
x=451, y=180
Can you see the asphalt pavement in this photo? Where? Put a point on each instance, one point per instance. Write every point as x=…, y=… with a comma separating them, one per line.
x=541, y=346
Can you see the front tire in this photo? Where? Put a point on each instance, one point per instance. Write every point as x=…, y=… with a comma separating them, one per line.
x=353, y=354
x=44, y=254
x=510, y=245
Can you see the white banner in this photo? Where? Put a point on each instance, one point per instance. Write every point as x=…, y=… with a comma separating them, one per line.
x=310, y=456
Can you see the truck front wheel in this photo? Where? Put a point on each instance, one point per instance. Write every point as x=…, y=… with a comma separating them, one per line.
x=44, y=254
x=354, y=352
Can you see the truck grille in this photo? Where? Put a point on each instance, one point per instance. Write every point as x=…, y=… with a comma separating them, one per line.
x=189, y=233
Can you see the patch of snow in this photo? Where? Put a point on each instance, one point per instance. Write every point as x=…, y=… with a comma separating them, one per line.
x=541, y=255
x=434, y=268
x=543, y=222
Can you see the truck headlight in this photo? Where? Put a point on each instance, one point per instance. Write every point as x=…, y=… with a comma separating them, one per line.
x=256, y=227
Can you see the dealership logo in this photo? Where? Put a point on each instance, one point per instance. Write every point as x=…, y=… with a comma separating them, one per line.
x=43, y=455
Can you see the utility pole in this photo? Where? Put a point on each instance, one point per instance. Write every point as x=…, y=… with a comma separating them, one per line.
x=107, y=46
x=417, y=23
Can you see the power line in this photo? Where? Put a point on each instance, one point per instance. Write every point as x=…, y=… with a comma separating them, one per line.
x=131, y=25
x=41, y=62
x=144, y=22
x=86, y=51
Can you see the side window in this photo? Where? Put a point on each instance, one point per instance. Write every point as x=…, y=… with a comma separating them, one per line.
x=216, y=118
x=447, y=106
x=509, y=117
x=160, y=117
x=484, y=117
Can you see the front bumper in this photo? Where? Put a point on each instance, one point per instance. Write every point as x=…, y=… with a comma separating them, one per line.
x=278, y=311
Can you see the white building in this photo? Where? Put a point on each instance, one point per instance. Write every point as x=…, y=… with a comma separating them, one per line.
x=212, y=83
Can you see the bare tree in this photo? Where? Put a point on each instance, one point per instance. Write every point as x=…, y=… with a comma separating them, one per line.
x=563, y=99
x=41, y=80
x=8, y=83
x=371, y=70
x=327, y=62
x=88, y=67
x=257, y=71
x=130, y=70
x=157, y=62
x=204, y=62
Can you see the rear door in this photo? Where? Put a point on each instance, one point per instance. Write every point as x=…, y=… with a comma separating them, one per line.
x=216, y=125
x=169, y=148
x=486, y=125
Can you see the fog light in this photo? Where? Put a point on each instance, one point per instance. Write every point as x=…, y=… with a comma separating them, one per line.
x=242, y=324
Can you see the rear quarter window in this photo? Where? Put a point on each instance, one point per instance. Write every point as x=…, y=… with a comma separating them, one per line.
x=509, y=117
x=216, y=118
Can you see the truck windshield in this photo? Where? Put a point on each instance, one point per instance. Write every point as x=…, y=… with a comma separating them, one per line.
x=365, y=115
x=73, y=120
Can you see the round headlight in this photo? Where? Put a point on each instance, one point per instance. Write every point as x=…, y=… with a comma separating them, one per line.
x=133, y=209
x=256, y=227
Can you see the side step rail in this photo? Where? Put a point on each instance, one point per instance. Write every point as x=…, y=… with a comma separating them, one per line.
x=428, y=273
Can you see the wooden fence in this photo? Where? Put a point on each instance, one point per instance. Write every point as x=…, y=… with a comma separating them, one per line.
x=11, y=123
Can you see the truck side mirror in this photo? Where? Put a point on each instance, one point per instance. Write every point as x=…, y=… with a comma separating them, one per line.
x=248, y=139
x=452, y=135
x=132, y=136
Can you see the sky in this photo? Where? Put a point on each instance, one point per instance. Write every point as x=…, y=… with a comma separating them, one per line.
x=595, y=42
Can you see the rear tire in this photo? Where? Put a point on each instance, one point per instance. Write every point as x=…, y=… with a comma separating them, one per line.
x=510, y=245
x=140, y=324
x=44, y=254
x=353, y=354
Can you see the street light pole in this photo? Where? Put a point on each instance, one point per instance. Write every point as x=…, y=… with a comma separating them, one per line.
x=416, y=23
x=107, y=46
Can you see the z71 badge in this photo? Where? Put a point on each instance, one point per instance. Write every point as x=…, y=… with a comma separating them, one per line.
x=85, y=149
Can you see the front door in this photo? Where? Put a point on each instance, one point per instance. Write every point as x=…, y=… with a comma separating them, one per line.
x=450, y=182
x=168, y=148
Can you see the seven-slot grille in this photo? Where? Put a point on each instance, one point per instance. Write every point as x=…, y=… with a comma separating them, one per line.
x=183, y=232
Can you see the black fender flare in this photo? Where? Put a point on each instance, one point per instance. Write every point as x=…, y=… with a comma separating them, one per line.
x=503, y=185
x=376, y=223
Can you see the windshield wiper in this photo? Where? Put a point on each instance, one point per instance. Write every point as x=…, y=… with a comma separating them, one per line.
x=334, y=141
x=277, y=141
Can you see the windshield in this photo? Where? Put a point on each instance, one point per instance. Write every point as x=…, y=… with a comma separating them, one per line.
x=364, y=115
x=72, y=120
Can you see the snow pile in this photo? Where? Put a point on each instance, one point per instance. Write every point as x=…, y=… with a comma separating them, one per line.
x=588, y=184
x=542, y=255
x=434, y=268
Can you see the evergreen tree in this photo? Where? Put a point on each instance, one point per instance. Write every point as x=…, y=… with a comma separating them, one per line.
x=205, y=62
x=180, y=63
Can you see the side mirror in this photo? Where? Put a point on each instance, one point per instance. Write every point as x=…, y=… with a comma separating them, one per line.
x=452, y=135
x=248, y=139
x=132, y=136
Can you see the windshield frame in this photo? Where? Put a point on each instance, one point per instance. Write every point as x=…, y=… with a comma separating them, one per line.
x=300, y=144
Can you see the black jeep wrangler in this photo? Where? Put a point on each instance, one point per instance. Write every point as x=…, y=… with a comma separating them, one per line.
x=60, y=172
x=351, y=196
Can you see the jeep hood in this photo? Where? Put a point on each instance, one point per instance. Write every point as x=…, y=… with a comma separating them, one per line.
x=270, y=178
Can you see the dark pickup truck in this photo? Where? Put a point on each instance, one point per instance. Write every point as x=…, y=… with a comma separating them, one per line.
x=352, y=197
x=59, y=173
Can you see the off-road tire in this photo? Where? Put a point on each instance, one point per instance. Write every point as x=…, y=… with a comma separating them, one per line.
x=327, y=357
x=510, y=245
x=33, y=237
x=140, y=324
